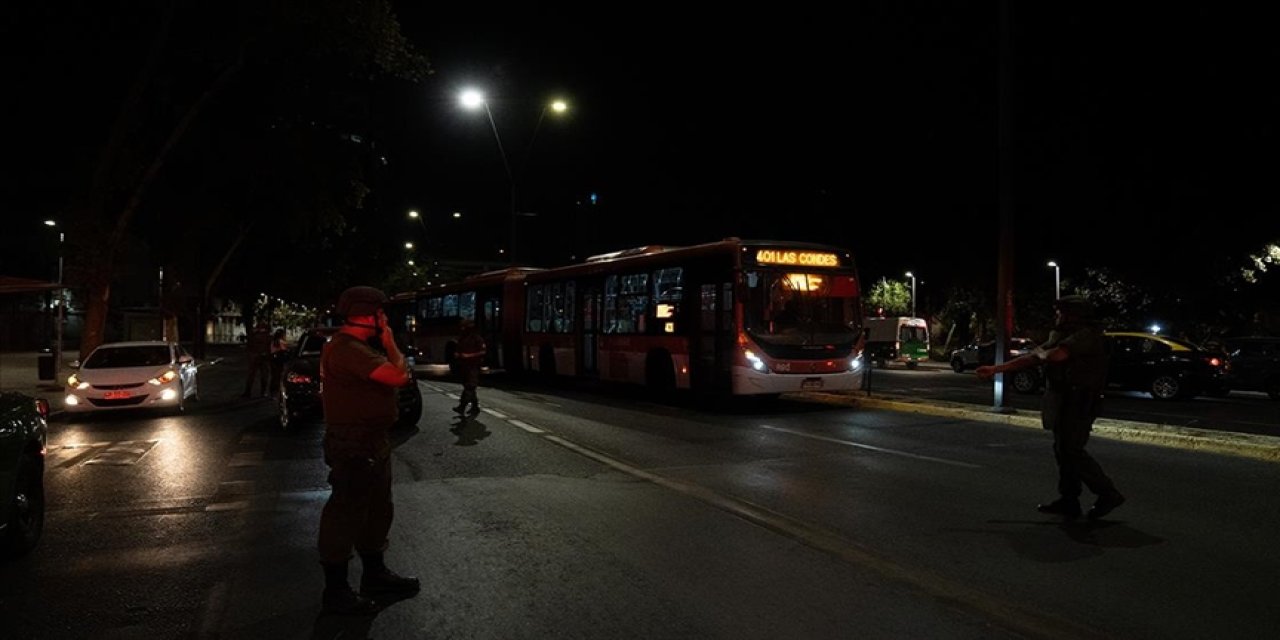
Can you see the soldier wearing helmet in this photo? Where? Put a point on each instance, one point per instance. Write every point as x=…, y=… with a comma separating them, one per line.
x=1075, y=363
x=359, y=385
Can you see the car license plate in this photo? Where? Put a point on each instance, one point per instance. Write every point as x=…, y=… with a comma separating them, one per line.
x=811, y=383
x=115, y=395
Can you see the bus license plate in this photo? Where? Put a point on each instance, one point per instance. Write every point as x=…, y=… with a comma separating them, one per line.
x=811, y=383
x=115, y=395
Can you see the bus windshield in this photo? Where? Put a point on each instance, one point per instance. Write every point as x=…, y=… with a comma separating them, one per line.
x=801, y=309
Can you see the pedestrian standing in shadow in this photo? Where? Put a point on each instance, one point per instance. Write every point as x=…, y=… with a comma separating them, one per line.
x=360, y=389
x=279, y=353
x=259, y=347
x=470, y=357
x=1075, y=366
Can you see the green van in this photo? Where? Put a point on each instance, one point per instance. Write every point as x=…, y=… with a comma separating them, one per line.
x=899, y=339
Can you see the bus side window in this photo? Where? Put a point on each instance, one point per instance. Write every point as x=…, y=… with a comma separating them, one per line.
x=534, y=309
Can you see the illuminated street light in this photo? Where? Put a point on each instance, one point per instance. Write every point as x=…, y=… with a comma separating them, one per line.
x=913, y=293
x=473, y=99
x=414, y=214
x=1057, y=280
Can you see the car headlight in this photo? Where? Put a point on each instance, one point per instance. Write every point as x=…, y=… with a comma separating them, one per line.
x=167, y=376
x=75, y=382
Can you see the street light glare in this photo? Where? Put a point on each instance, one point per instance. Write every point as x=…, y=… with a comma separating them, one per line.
x=1051, y=264
x=913, y=292
x=457, y=214
x=51, y=223
x=472, y=99
x=408, y=245
x=559, y=106
x=413, y=214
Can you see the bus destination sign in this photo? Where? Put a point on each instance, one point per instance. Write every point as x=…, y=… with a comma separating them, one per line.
x=800, y=258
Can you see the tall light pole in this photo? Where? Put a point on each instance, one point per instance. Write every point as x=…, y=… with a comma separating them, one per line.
x=1057, y=280
x=473, y=99
x=416, y=216
x=62, y=303
x=913, y=293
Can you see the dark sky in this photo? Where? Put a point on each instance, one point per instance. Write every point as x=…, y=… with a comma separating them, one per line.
x=1142, y=140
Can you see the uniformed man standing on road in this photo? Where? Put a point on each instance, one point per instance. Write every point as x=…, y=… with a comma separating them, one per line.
x=1075, y=364
x=359, y=393
x=470, y=355
x=259, y=347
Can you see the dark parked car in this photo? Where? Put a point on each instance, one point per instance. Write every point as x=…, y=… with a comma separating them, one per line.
x=299, y=397
x=23, y=430
x=1255, y=364
x=978, y=354
x=1165, y=367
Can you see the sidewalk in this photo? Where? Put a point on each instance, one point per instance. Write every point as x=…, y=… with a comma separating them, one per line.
x=19, y=371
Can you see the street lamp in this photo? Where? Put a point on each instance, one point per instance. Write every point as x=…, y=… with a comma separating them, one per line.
x=415, y=216
x=913, y=293
x=473, y=99
x=1057, y=280
x=426, y=234
x=62, y=303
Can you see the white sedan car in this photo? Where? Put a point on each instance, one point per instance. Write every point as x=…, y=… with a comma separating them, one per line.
x=133, y=375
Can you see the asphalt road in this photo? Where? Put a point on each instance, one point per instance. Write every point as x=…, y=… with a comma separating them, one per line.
x=571, y=513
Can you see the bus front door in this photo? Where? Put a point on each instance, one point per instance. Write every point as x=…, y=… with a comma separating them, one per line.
x=713, y=338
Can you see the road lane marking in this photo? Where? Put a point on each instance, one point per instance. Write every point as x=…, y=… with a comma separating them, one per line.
x=497, y=414
x=892, y=452
x=125, y=453
x=526, y=426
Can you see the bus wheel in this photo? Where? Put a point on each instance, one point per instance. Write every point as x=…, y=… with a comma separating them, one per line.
x=659, y=372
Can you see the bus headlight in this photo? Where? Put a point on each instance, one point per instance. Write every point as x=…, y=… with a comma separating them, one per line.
x=755, y=362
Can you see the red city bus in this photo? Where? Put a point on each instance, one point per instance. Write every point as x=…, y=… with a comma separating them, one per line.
x=430, y=318
x=731, y=317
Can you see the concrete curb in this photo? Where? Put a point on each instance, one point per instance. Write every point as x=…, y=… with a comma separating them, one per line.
x=1245, y=445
